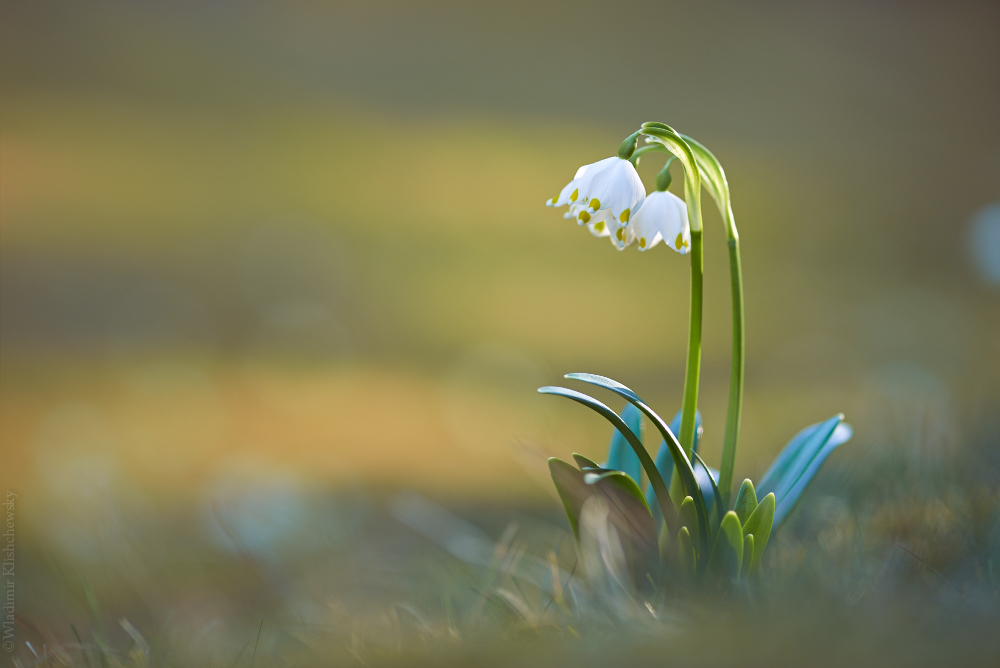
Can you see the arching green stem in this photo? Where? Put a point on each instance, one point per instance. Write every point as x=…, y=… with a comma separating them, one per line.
x=718, y=187
x=673, y=142
x=714, y=180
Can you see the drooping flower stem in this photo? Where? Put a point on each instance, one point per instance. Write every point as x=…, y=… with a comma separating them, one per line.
x=665, y=136
x=718, y=187
x=714, y=180
x=735, y=410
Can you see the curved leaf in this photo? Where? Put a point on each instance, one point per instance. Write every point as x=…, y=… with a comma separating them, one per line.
x=629, y=512
x=795, y=457
x=664, y=459
x=719, y=507
x=681, y=460
x=621, y=457
x=622, y=481
x=572, y=490
x=663, y=499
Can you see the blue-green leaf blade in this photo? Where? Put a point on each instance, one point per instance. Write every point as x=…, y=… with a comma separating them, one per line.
x=790, y=497
x=795, y=457
x=621, y=456
x=678, y=454
x=665, y=461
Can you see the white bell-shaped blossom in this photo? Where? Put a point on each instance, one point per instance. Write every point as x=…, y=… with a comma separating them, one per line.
x=615, y=187
x=662, y=217
x=570, y=194
x=602, y=223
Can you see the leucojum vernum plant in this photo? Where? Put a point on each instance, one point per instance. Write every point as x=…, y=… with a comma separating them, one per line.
x=685, y=524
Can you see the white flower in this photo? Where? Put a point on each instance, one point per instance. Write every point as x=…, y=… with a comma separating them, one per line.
x=570, y=194
x=616, y=186
x=602, y=223
x=661, y=217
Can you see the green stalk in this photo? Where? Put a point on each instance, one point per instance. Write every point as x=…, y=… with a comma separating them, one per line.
x=718, y=187
x=735, y=410
x=692, y=371
x=673, y=142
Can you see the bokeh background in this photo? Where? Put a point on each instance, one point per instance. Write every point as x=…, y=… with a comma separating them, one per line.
x=267, y=262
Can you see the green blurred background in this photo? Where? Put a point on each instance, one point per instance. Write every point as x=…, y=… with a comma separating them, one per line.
x=303, y=244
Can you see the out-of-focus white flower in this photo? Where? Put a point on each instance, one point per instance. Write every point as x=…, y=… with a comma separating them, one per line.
x=662, y=217
x=615, y=187
x=570, y=194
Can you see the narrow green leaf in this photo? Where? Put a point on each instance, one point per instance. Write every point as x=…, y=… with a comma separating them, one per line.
x=759, y=524
x=727, y=553
x=664, y=459
x=716, y=495
x=621, y=457
x=681, y=461
x=685, y=550
x=747, y=554
x=746, y=501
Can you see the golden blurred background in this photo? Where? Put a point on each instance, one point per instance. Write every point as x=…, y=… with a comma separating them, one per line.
x=304, y=244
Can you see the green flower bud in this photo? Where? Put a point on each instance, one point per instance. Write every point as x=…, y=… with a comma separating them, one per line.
x=627, y=148
x=663, y=179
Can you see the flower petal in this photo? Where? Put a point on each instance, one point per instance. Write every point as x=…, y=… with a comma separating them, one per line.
x=617, y=188
x=571, y=191
x=662, y=216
